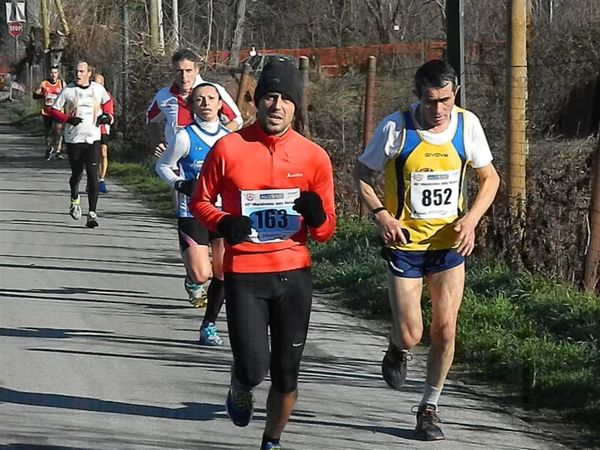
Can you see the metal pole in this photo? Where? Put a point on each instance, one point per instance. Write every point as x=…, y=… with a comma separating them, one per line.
x=29, y=78
x=304, y=63
x=455, y=44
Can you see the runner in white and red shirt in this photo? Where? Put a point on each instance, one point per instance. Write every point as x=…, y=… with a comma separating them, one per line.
x=48, y=90
x=86, y=106
x=170, y=105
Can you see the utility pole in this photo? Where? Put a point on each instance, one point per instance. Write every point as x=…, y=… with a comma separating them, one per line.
x=517, y=128
x=517, y=124
x=455, y=44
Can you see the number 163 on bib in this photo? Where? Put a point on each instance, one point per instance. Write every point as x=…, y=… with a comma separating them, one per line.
x=270, y=210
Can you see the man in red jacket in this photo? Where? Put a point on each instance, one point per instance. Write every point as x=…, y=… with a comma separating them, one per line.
x=277, y=189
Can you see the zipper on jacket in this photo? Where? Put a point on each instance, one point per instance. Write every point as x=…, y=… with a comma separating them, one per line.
x=272, y=166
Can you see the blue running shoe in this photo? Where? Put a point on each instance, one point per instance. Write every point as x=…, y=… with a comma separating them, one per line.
x=240, y=404
x=209, y=336
x=271, y=446
x=102, y=187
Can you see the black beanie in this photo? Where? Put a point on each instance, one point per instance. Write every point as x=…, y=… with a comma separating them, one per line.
x=283, y=77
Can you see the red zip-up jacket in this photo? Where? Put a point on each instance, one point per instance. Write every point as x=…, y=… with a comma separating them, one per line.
x=251, y=159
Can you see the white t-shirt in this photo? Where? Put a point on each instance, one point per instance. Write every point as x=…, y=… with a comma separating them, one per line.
x=388, y=139
x=86, y=103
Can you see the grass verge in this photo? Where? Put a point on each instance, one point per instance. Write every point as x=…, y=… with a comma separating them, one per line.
x=138, y=175
x=537, y=340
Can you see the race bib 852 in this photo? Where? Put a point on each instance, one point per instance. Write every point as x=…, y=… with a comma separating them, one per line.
x=434, y=195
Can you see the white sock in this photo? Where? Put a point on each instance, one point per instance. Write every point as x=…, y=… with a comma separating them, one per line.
x=431, y=395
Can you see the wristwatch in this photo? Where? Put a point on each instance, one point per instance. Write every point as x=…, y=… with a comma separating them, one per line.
x=374, y=211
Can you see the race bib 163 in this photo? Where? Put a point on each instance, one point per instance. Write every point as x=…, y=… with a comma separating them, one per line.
x=270, y=210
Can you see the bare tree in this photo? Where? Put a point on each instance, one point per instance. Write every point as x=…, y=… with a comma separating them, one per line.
x=238, y=32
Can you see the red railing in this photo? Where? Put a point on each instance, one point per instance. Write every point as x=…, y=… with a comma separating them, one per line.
x=336, y=60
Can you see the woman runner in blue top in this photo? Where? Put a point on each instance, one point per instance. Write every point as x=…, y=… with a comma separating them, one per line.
x=188, y=152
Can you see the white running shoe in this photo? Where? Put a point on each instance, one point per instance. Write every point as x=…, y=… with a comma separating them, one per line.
x=92, y=220
x=52, y=154
x=196, y=292
x=75, y=209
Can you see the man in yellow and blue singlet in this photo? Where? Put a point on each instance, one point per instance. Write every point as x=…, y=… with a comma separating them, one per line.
x=425, y=229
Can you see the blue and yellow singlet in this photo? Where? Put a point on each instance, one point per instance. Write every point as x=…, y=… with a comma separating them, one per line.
x=424, y=186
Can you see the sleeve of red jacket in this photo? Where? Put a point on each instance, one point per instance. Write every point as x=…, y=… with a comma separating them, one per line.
x=58, y=115
x=109, y=107
x=323, y=186
x=208, y=187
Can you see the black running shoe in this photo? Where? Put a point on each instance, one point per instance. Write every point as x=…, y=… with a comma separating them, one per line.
x=393, y=366
x=427, y=424
x=92, y=220
x=240, y=403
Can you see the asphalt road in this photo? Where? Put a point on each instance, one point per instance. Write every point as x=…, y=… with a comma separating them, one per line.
x=98, y=344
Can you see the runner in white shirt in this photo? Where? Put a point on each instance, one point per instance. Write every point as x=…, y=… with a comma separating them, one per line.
x=191, y=146
x=170, y=105
x=85, y=108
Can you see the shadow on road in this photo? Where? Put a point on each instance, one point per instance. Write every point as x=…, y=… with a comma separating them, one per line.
x=190, y=411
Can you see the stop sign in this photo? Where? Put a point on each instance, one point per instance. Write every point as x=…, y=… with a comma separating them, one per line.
x=15, y=29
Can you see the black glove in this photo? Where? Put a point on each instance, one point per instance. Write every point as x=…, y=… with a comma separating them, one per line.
x=74, y=120
x=310, y=205
x=103, y=119
x=185, y=186
x=235, y=229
